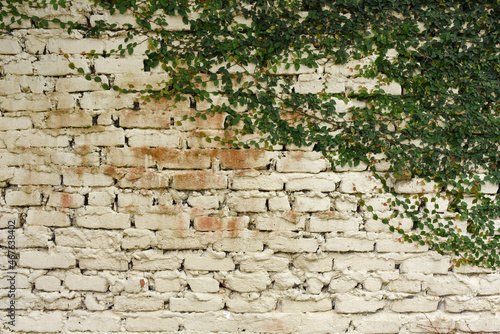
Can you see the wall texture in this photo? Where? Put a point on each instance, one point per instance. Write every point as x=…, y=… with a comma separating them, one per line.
x=125, y=222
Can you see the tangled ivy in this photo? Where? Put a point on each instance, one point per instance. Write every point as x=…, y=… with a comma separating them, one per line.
x=443, y=130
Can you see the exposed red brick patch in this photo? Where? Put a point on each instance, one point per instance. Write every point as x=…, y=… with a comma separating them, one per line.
x=244, y=159
x=199, y=180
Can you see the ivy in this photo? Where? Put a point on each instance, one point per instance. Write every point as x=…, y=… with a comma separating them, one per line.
x=444, y=128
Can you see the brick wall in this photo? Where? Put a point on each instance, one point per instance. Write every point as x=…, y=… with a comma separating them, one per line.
x=125, y=222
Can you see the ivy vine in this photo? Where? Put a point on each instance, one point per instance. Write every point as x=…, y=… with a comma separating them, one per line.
x=442, y=128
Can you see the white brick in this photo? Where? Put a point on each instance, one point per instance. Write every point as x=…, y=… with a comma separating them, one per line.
x=208, y=263
x=417, y=304
x=9, y=46
x=325, y=222
x=47, y=218
x=311, y=204
x=349, y=244
x=244, y=304
x=138, y=303
x=355, y=304
x=359, y=183
x=203, y=284
x=93, y=321
x=111, y=220
x=298, y=306
x=43, y=260
x=86, y=283
x=48, y=283
x=158, y=221
x=248, y=282
x=150, y=321
x=260, y=182
x=40, y=322
x=197, y=302
x=426, y=265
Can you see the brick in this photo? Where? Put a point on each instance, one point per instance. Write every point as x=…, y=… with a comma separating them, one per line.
x=258, y=182
x=354, y=304
x=47, y=218
x=111, y=220
x=77, y=46
x=341, y=244
x=218, y=224
x=106, y=99
x=208, y=263
x=288, y=245
x=389, y=246
x=28, y=177
x=65, y=200
x=144, y=120
x=331, y=222
x=248, y=282
x=313, y=263
x=140, y=178
x=168, y=281
x=48, y=283
x=383, y=323
x=252, y=204
x=40, y=322
x=243, y=304
x=203, y=284
x=158, y=221
x=15, y=123
x=139, y=80
x=325, y=183
x=199, y=180
x=103, y=261
x=29, y=237
x=458, y=304
x=154, y=139
x=32, y=138
x=301, y=162
x=415, y=186
x=363, y=262
x=245, y=159
x=55, y=65
x=147, y=322
x=102, y=137
x=342, y=285
x=138, y=303
x=154, y=259
x=197, y=302
x=114, y=66
x=93, y=321
x=86, y=283
x=203, y=202
x=416, y=304
x=359, y=183
x=9, y=87
x=180, y=239
x=19, y=67
x=164, y=157
x=69, y=119
x=283, y=221
x=484, y=322
x=82, y=238
x=10, y=46
x=279, y=204
x=311, y=204
x=44, y=260
x=78, y=84
x=489, y=285
x=443, y=286
x=86, y=177
x=426, y=265
x=138, y=239
x=274, y=263
x=22, y=103
x=297, y=306
x=6, y=220
x=246, y=241
x=405, y=285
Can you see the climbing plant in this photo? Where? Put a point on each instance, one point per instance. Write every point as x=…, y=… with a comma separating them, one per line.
x=423, y=99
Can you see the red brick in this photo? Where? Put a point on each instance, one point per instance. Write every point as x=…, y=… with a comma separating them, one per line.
x=199, y=180
x=243, y=159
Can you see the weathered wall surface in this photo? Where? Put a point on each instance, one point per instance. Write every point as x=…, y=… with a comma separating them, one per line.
x=125, y=222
